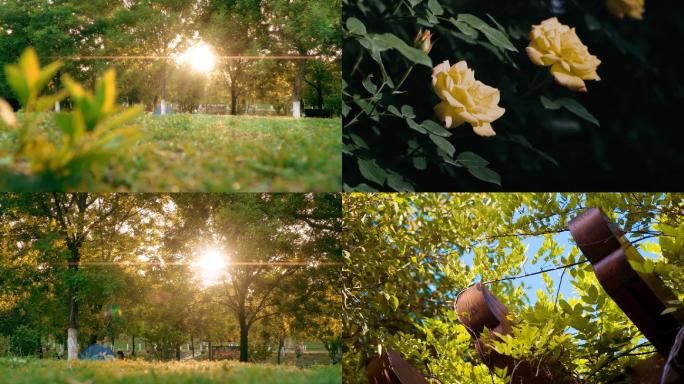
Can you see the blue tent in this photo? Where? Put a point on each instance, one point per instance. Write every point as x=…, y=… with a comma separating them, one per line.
x=97, y=352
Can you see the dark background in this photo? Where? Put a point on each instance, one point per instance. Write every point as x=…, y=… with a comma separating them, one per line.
x=639, y=101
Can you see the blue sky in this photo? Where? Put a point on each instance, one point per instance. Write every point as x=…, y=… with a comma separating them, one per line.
x=536, y=282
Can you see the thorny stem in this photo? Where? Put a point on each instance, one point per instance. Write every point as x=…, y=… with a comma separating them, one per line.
x=403, y=79
x=356, y=118
x=375, y=105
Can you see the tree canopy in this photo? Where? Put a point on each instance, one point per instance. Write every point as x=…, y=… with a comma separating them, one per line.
x=161, y=30
x=127, y=266
x=408, y=256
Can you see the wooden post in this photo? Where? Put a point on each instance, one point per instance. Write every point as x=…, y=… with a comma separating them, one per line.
x=641, y=296
x=391, y=368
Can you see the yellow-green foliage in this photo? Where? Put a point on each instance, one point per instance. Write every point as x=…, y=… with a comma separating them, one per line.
x=88, y=137
x=407, y=256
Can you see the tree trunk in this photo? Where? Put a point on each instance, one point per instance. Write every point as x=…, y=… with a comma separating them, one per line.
x=233, y=101
x=162, y=107
x=72, y=344
x=297, y=91
x=211, y=355
x=178, y=352
x=319, y=91
x=244, y=337
x=281, y=344
x=133, y=342
x=72, y=332
x=192, y=346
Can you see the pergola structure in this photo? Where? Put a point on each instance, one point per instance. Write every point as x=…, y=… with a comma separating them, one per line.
x=642, y=296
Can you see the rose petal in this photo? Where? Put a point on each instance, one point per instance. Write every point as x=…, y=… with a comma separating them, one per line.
x=484, y=130
x=568, y=80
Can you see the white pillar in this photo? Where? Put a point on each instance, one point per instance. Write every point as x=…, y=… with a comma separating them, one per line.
x=162, y=109
x=57, y=106
x=296, y=109
x=72, y=344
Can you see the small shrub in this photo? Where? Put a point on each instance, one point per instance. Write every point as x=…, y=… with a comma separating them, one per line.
x=24, y=341
x=89, y=135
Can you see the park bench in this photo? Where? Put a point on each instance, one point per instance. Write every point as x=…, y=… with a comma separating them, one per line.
x=224, y=352
x=641, y=296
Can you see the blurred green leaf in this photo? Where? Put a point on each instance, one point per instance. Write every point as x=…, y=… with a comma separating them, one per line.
x=571, y=105
x=495, y=36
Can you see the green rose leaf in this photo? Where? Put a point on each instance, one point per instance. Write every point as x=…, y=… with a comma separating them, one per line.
x=485, y=174
x=571, y=105
x=355, y=26
x=415, y=55
x=372, y=171
x=443, y=144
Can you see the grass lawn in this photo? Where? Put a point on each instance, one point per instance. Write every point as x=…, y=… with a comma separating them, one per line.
x=182, y=152
x=20, y=371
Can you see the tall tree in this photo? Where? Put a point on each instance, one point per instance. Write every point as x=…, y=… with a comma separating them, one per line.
x=234, y=29
x=152, y=28
x=304, y=27
x=273, y=242
x=73, y=219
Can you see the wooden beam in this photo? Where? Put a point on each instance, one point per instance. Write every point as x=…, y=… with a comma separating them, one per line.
x=391, y=368
x=641, y=296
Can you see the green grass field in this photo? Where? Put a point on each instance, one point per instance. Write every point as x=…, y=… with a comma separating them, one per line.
x=25, y=371
x=226, y=153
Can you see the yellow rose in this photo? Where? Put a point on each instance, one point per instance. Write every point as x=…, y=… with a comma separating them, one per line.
x=631, y=8
x=465, y=99
x=556, y=45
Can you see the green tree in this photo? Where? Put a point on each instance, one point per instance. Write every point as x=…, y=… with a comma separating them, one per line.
x=151, y=28
x=304, y=27
x=407, y=256
x=324, y=82
x=235, y=28
x=70, y=221
x=273, y=241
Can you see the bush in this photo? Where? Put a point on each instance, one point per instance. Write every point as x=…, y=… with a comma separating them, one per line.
x=4, y=345
x=550, y=137
x=24, y=341
x=91, y=134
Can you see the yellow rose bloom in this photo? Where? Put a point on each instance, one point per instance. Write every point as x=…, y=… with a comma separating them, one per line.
x=465, y=99
x=631, y=8
x=556, y=45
